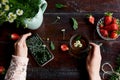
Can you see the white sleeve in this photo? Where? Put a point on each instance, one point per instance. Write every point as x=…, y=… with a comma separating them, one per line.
x=17, y=69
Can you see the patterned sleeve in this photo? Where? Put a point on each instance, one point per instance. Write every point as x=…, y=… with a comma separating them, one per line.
x=17, y=69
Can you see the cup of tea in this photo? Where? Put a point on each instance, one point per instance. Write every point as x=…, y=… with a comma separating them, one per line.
x=79, y=45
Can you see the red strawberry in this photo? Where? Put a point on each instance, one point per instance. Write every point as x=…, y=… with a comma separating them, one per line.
x=91, y=18
x=112, y=27
x=2, y=69
x=104, y=32
x=114, y=20
x=15, y=36
x=64, y=47
x=113, y=35
x=108, y=18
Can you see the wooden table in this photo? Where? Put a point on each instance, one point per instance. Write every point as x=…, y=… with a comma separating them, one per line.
x=64, y=66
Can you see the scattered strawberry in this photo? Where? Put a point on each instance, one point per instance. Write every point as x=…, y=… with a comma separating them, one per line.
x=2, y=69
x=91, y=18
x=14, y=36
x=108, y=18
x=64, y=47
x=113, y=35
x=104, y=32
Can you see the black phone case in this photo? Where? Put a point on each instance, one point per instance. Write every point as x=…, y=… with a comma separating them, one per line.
x=39, y=50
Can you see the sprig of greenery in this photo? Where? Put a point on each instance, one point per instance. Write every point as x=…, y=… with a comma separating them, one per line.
x=75, y=23
x=52, y=46
x=59, y=5
x=115, y=77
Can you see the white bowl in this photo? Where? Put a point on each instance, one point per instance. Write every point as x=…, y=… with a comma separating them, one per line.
x=98, y=30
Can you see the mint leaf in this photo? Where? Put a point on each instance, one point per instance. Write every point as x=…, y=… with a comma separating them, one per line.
x=52, y=46
x=59, y=5
x=75, y=23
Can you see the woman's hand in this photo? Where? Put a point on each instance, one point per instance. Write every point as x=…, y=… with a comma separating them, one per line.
x=94, y=62
x=21, y=47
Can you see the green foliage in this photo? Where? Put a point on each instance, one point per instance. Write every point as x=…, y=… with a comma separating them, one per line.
x=52, y=46
x=75, y=23
x=115, y=77
x=59, y=6
x=29, y=7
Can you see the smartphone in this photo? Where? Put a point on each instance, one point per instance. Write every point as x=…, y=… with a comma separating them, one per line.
x=39, y=50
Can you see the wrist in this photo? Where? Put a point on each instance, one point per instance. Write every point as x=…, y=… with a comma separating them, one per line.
x=95, y=77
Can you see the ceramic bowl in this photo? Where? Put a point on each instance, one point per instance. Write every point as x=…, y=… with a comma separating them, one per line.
x=98, y=30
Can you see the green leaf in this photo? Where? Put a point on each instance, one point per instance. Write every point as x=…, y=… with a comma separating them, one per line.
x=75, y=23
x=52, y=46
x=78, y=38
x=59, y=5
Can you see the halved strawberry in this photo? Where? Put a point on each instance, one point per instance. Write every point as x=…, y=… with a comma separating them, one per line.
x=14, y=36
x=108, y=18
x=64, y=47
x=114, y=35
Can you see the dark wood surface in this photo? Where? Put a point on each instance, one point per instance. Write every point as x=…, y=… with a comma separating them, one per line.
x=64, y=66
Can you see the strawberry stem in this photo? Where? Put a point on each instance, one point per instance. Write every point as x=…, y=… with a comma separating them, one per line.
x=108, y=14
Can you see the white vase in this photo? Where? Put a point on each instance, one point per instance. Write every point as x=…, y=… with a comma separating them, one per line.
x=35, y=22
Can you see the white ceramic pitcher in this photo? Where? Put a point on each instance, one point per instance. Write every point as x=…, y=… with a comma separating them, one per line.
x=35, y=22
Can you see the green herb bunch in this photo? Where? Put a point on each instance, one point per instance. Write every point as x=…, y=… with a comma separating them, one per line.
x=114, y=76
x=17, y=10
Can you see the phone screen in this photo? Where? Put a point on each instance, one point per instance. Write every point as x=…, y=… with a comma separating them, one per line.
x=39, y=50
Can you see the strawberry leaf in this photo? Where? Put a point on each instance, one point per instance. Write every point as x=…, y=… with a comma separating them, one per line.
x=75, y=23
x=108, y=14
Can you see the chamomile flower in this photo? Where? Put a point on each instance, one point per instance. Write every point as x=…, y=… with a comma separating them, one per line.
x=19, y=12
x=2, y=13
x=5, y=1
x=78, y=43
x=0, y=5
x=11, y=15
x=7, y=8
x=10, y=20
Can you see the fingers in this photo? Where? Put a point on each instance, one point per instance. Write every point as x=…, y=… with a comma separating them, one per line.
x=95, y=49
x=23, y=39
x=25, y=36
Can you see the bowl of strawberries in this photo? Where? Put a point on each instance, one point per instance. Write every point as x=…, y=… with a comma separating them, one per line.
x=108, y=27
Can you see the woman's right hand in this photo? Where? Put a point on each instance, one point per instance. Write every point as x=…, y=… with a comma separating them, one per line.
x=94, y=62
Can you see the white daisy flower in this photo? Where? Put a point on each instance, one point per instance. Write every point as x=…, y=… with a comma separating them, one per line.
x=12, y=16
x=10, y=20
x=2, y=13
x=5, y=1
x=78, y=44
x=0, y=5
x=19, y=12
x=7, y=7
